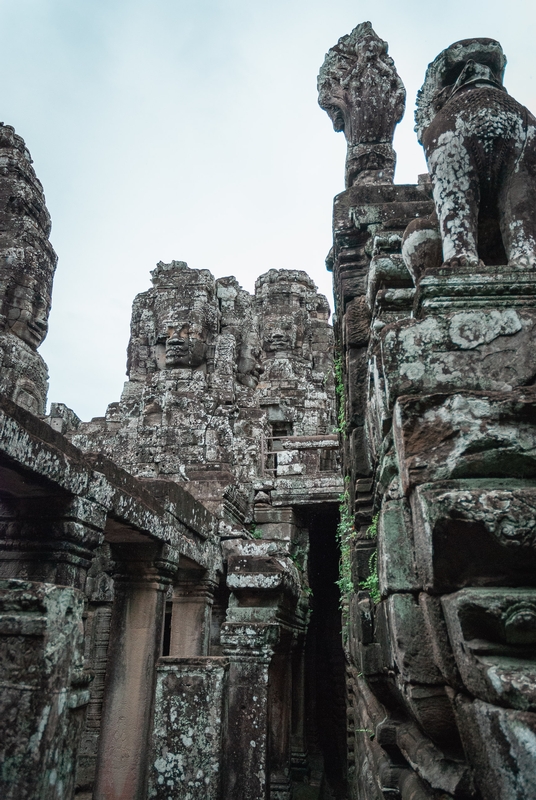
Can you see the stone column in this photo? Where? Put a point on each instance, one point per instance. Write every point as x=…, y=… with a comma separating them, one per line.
x=100, y=596
x=144, y=572
x=298, y=744
x=190, y=620
x=279, y=720
x=250, y=648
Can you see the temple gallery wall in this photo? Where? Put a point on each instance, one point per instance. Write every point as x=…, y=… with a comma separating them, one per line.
x=293, y=561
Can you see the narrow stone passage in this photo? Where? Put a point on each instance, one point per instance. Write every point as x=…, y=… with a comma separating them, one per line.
x=325, y=664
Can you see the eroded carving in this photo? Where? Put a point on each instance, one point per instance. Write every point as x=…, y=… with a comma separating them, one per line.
x=27, y=264
x=480, y=145
x=361, y=91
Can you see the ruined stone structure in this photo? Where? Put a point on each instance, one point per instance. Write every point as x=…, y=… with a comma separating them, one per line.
x=175, y=575
x=436, y=308
x=168, y=570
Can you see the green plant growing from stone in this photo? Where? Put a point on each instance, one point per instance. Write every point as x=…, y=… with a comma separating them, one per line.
x=345, y=534
x=372, y=583
x=339, y=390
x=255, y=533
x=372, y=530
x=297, y=556
x=370, y=732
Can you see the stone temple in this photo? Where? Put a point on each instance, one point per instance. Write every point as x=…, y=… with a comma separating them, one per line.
x=292, y=561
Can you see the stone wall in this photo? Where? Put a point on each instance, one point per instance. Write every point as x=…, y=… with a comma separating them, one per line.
x=435, y=297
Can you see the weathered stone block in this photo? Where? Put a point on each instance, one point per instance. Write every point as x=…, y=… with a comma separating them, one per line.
x=476, y=350
x=501, y=746
x=396, y=563
x=497, y=286
x=437, y=633
x=465, y=435
x=493, y=637
x=411, y=649
x=189, y=727
x=431, y=708
x=469, y=532
x=44, y=689
x=441, y=773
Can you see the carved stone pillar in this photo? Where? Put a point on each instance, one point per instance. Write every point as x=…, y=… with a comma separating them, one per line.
x=257, y=639
x=143, y=573
x=250, y=648
x=298, y=744
x=190, y=620
x=100, y=595
x=279, y=720
x=49, y=539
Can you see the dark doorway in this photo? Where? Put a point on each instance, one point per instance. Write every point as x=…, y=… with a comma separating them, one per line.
x=324, y=659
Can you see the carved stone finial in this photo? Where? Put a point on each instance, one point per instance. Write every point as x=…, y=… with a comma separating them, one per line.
x=361, y=91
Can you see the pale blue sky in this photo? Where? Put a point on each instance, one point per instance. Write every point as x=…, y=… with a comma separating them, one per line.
x=190, y=130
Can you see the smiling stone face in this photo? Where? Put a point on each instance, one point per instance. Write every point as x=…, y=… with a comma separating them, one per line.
x=279, y=335
x=27, y=264
x=184, y=350
x=27, y=312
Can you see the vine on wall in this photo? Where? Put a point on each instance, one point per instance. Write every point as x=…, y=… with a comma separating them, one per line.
x=345, y=533
x=339, y=390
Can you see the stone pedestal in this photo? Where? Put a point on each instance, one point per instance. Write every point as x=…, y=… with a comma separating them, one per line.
x=144, y=572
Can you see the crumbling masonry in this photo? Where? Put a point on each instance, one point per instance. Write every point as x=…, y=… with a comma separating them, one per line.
x=175, y=576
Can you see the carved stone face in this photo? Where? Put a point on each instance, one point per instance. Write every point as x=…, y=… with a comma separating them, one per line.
x=184, y=350
x=27, y=314
x=279, y=335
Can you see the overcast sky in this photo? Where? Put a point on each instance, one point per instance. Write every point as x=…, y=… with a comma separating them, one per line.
x=190, y=130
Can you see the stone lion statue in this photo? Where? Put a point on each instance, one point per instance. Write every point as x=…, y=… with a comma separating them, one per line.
x=480, y=145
